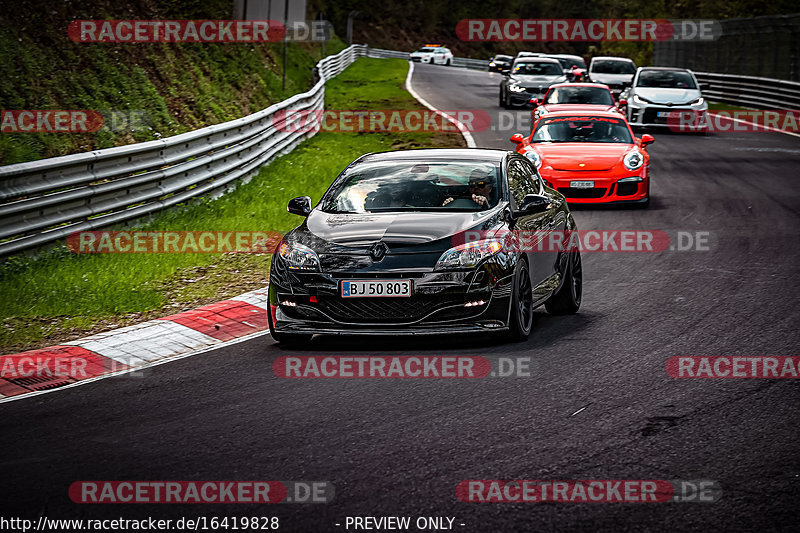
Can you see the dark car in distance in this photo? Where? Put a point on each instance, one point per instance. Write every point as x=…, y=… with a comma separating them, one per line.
x=529, y=77
x=500, y=63
x=409, y=242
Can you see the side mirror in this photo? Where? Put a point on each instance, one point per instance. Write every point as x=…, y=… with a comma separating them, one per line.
x=517, y=138
x=647, y=139
x=534, y=102
x=299, y=206
x=534, y=203
x=623, y=102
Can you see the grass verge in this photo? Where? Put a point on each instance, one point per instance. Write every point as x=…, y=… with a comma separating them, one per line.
x=58, y=295
x=171, y=87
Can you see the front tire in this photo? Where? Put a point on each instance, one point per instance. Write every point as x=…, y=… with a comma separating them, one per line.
x=567, y=299
x=521, y=322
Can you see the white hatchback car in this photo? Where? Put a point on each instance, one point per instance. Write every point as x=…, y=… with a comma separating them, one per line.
x=616, y=72
x=659, y=94
x=435, y=54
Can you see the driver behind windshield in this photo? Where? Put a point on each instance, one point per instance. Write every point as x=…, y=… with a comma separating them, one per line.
x=481, y=184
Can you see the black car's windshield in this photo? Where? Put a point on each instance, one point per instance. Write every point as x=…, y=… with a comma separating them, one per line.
x=537, y=68
x=579, y=95
x=503, y=59
x=582, y=129
x=613, y=67
x=414, y=186
x=666, y=79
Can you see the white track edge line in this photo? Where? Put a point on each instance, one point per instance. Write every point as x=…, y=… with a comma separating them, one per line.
x=461, y=128
x=168, y=359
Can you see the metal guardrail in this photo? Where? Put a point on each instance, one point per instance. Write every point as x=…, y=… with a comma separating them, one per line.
x=46, y=200
x=465, y=62
x=384, y=54
x=462, y=62
x=749, y=91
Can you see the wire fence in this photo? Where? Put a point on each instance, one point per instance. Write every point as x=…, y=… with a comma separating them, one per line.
x=765, y=47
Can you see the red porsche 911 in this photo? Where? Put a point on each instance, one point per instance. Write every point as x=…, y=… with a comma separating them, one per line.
x=576, y=98
x=590, y=158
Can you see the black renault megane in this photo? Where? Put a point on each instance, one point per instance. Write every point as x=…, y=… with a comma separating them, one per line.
x=416, y=242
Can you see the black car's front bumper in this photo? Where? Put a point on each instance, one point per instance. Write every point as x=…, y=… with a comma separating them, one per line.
x=312, y=302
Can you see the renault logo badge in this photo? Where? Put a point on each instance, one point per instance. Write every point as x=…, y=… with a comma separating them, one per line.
x=378, y=250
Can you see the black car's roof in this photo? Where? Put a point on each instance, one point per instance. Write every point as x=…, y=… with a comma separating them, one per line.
x=439, y=154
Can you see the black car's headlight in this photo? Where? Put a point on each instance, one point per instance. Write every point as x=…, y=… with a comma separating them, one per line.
x=514, y=88
x=299, y=257
x=468, y=255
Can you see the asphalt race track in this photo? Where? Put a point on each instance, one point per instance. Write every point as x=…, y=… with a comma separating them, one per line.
x=400, y=447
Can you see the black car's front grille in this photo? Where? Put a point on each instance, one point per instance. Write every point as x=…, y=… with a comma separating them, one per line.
x=536, y=91
x=572, y=192
x=383, y=310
